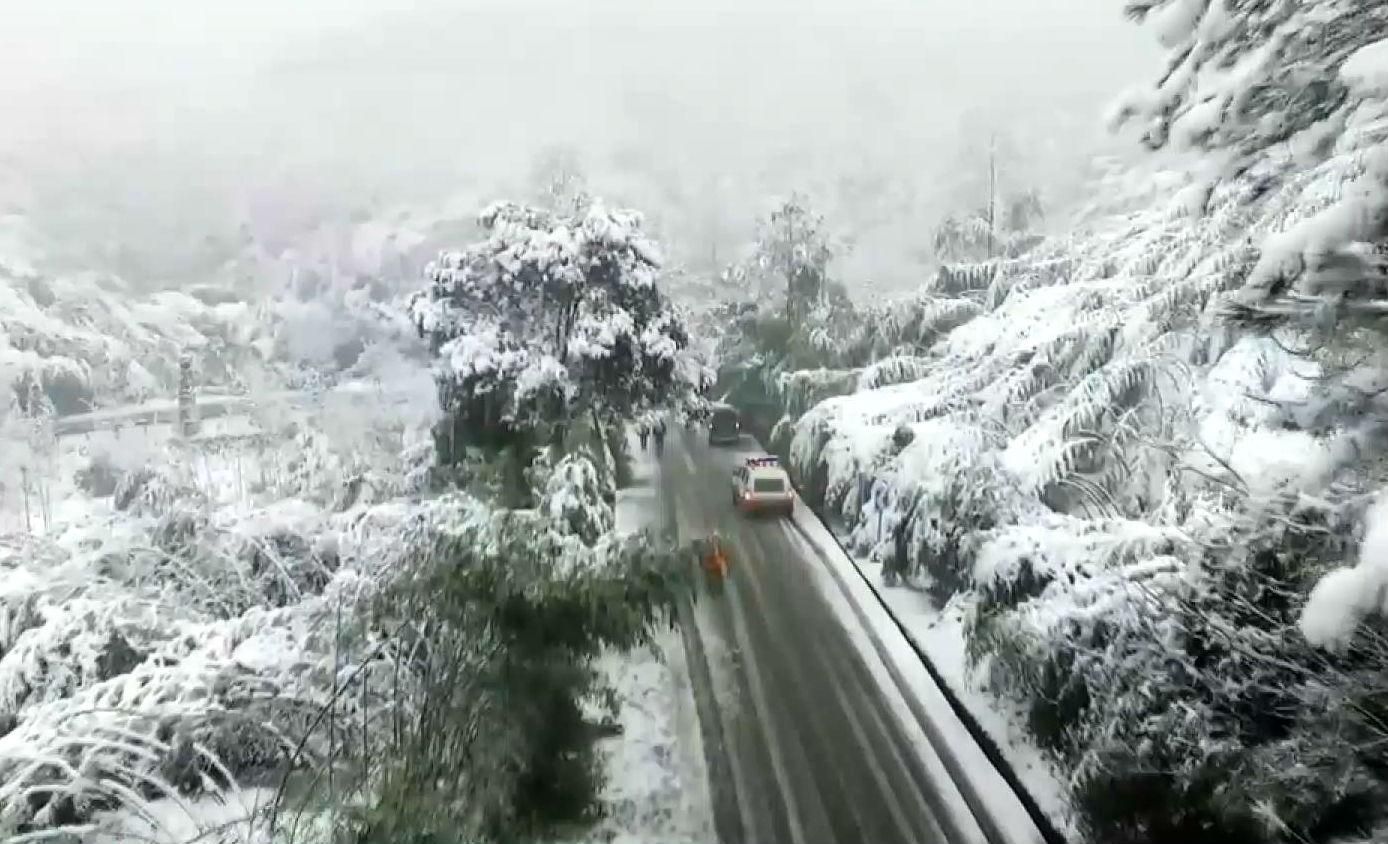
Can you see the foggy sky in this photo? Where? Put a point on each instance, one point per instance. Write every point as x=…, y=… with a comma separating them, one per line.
x=185, y=113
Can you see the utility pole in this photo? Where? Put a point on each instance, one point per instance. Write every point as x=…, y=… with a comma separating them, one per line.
x=24, y=485
x=788, y=253
x=187, y=420
x=992, y=192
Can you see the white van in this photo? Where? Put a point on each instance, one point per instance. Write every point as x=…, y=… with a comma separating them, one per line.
x=760, y=485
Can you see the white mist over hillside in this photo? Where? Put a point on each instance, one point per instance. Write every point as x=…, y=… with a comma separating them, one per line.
x=160, y=136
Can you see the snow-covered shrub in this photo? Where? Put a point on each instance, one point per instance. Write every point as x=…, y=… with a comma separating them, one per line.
x=228, y=657
x=1056, y=600
x=916, y=491
x=575, y=497
x=895, y=369
x=202, y=635
x=89, y=340
x=117, y=704
x=517, y=609
x=153, y=490
x=1347, y=597
x=935, y=526
x=1287, y=738
x=1002, y=229
x=100, y=477
x=67, y=384
x=802, y=389
x=64, y=648
x=183, y=642
x=1167, y=673
x=908, y=326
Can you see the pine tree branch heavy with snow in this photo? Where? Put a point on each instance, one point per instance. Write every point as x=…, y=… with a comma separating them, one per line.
x=1273, y=92
x=1287, y=94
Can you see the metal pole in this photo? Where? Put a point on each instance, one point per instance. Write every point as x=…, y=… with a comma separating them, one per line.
x=992, y=191
x=187, y=418
x=24, y=485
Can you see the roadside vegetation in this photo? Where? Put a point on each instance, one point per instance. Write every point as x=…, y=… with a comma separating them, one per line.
x=328, y=615
x=1140, y=447
x=1144, y=454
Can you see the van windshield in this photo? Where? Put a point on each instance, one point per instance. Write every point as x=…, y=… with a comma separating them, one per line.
x=768, y=485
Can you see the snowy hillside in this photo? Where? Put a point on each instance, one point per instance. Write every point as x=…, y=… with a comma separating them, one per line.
x=327, y=304
x=183, y=624
x=88, y=341
x=162, y=632
x=335, y=292
x=1117, y=470
x=293, y=608
x=1134, y=462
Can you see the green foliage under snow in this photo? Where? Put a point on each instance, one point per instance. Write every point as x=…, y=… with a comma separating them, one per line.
x=335, y=612
x=1135, y=450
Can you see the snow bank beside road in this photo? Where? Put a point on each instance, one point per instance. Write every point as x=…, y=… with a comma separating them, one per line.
x=638, y=506
x=940, y=635
x=657, y=787
x=990, y=798
x=657, y=784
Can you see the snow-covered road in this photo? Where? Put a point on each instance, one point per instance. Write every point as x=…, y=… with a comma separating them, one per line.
x=810, y=735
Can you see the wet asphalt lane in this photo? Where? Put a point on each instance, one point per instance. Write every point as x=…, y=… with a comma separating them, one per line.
x=791, y=714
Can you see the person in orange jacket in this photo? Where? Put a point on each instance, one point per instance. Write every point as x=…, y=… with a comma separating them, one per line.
x=715, y=560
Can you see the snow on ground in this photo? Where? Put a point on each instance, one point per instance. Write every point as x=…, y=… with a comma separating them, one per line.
x=231, y=818
x=657, y=785
x=77, y=526
x=237, y=816
x=638, y=506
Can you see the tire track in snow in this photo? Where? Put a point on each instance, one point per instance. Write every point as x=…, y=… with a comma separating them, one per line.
x=746, y=811
x=843, y=752
x=852, y=707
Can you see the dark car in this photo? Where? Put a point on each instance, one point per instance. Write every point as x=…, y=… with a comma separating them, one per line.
x=724, y=427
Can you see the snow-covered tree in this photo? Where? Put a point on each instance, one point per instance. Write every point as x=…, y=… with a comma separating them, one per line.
x=27, y=456
x=1291, y=99
x=558, y=182
x=1005, y=229
x=796, y=316
x=550, y=318
x=794, y=247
